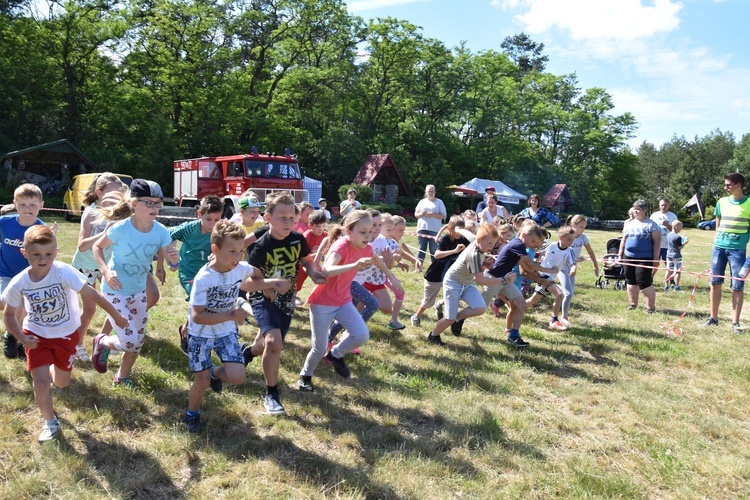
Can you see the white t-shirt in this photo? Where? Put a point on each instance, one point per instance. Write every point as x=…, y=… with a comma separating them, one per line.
x=659, y=217
x=557, y=257
x=378, y=245
x=217, y=292
x=430, y=223
x=52, y=303
x=378, y=277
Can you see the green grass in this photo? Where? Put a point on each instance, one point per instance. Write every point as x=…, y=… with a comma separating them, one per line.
x=610, y=408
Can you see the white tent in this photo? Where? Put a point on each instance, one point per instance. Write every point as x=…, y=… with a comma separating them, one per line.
x=315, y=188
x=476, y=186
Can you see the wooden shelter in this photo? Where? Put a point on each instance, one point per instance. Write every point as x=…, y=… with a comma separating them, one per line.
x=380, y=173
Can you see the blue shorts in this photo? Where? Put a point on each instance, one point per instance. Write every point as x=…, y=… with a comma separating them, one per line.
x=270, y=317
x=199, y=351
x=663, y=254
x=719, y=259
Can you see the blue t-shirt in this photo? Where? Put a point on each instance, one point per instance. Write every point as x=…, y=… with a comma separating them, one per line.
x=674, y=244
x=132, y=254
x=12, y=261
x=640, y=241
x=509, y=256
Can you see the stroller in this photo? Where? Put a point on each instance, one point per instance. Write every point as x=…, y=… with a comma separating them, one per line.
x=612, y=269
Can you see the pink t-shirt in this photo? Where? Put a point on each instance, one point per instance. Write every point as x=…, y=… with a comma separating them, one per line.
x=337, y=291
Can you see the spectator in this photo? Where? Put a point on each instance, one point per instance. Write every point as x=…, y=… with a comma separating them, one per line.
x=538, y=213
x=430, y=211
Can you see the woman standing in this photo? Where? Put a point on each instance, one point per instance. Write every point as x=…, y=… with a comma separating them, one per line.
x=349, y=204
x=640, y=247
x=493, y=210
x=538, y=213
x=430, y=213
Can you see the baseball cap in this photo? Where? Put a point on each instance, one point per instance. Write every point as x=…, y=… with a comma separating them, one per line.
x=246, y=202
x=489, y=188
x=140, y=188
x=322, y=199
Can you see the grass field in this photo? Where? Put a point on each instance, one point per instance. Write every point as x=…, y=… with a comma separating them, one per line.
x=609, y=408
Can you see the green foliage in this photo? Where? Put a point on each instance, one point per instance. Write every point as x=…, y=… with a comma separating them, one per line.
x=364, y=193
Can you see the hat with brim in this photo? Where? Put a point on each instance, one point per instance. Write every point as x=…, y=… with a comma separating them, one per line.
x=489, y=188
x=246, y=202
x=141, y=188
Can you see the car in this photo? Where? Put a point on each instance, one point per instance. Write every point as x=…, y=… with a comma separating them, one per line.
x=708, y=225
x=79, y=184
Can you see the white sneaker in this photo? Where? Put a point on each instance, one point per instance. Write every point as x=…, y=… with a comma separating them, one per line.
x=81, y=354
x=556, y=325
x=565, y=322
x=49, y=431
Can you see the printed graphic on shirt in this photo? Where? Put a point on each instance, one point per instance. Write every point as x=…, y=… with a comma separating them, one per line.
x=48, y=305
x=222, y=298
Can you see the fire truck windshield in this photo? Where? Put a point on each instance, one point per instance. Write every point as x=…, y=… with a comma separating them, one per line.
x=277, y=169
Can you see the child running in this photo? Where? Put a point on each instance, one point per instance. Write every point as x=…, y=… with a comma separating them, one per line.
x=394, y=248
x=134, y=241
x=530, y=235
x=458, y=284
x=27, y=198
x=195, y=236
x=347, y=255
x=48, y=290
x=567, y=273
x=212, y=324
x=278, y=254
x=316, y=238
x=558, y=255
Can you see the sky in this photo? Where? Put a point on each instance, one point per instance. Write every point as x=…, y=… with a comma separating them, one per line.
x=680, y=67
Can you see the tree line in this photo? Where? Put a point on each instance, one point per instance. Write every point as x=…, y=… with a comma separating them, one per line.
x=139, y=83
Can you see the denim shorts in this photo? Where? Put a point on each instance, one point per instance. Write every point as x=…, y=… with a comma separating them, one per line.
x=227, y=348
x=719, y=259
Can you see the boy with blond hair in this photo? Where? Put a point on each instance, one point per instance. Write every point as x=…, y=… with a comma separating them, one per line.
x=49, y=290
x=28, y=201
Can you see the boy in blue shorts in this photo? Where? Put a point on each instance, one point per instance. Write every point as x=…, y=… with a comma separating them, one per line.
x=195, y=236
x=277, y=252
x=212, y=324
x=49, y=290
x=28, y=201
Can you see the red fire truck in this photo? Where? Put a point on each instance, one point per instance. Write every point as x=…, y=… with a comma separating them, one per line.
x=230, y=176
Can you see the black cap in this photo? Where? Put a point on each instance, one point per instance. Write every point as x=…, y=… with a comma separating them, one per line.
x=142, y=188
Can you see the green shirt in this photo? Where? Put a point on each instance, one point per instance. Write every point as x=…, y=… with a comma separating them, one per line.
x=195, y=248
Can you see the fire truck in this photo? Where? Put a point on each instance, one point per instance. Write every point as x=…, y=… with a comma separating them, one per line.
x=230, y=176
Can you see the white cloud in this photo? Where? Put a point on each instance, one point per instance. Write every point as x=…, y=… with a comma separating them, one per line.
x=376, y=4
x=596, y=19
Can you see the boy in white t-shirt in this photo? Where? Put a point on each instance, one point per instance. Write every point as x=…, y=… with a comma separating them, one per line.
x=558, y=254
x=212, y=324
x=49, y=292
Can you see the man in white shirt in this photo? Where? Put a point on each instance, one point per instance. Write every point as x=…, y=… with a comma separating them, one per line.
x=664, y=219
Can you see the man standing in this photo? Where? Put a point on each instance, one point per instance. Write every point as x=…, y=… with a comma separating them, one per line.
x=732, y=221
x=483, y=204
x=664, y=219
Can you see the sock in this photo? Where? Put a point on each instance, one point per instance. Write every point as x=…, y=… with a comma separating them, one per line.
x=272, y=389
x=433, y=335
x=554, y=319
x=514, y=334
x=193, y=413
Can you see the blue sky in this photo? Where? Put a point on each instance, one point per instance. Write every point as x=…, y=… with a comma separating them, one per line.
x=680, y=67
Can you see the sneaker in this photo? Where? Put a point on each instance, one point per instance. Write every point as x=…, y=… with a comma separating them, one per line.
x=557, y=325
x=338, y=365
x=651, y=310
x=124, y=382
x=435, y=339
x=273, y=404
x=396, y=325
x=81, y=354
x=193, y=422
x=457, y=327
x=711, y=322
x=49, y=431
x=736, y=328
x=518, y=342
x=216, y=384
x=631, y=307
x=10, y=346
x=21, y=352
x=247, y=353
x=415, y=320
x=666, y=288
x=439, y=309
x=99, y=355
x=305, y=384
x=565, y=322
x=677, y=289
x=183, y=339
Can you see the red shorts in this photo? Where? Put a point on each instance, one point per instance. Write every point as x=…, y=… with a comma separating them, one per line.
x=59, y=352
x=371, y=288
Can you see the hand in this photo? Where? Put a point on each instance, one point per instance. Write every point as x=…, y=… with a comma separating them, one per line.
x=161, y=275
x=239, y=315
x=554, y=270
x=172, y=255
x=318, y=278
x=29, y=341
x=460, y=248
x=121, y=321
x=364, y=263
x=110, y=277
x=403, y=266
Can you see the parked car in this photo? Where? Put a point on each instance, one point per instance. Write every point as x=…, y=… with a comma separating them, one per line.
x=708, y=225
x=79, y=184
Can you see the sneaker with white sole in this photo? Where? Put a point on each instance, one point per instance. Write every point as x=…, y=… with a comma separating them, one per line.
x=49, y=431
x=81, y=354
x=415, y=320
x=566, y=322
x=557, y=325
x=711, y=322
x=518, y=342
x=273, y=404
x=439, y=309
x=396, y=325
x=304, y=384
x=737, y=328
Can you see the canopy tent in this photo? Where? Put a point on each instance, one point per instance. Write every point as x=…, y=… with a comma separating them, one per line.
x=557, y=198
x=315, y=188
x=694, y=203
x=476, y=186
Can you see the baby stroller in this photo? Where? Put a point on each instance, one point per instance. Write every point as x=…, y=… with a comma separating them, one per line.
x=612, y=269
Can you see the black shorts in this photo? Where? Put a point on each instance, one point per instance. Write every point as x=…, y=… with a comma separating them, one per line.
x=641, y=276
